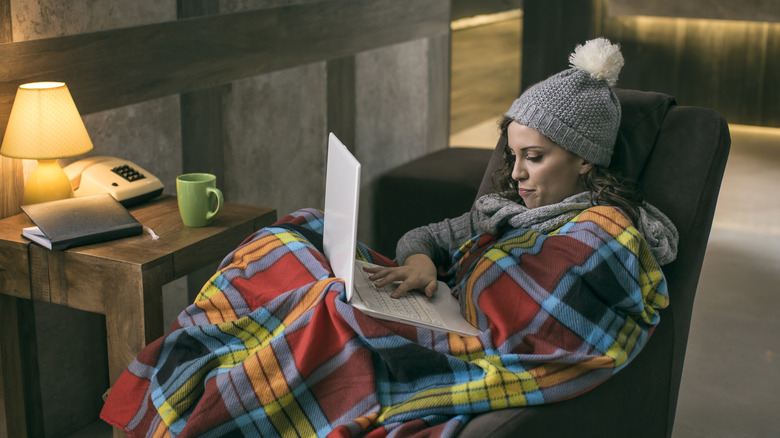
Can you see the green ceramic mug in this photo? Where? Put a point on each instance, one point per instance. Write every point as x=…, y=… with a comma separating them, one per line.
x=199, y=198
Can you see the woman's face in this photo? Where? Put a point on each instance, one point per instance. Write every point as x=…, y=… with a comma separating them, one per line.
x=545, y=172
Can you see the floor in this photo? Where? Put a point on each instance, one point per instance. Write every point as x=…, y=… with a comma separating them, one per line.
x=731, y=379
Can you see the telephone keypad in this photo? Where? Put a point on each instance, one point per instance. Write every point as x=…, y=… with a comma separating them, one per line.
x=128, y=173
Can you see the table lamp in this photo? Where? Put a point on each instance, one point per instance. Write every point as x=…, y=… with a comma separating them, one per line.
x=45, y=125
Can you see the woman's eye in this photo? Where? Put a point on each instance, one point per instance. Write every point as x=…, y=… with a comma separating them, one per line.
x=534, y=158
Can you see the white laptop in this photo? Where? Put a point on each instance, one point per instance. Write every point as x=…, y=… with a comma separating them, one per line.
x=342, y=190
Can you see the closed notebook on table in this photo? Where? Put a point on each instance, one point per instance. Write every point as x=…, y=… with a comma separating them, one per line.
x=79, y=221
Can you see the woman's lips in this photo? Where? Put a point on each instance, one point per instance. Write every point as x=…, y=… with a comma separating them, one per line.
x=524, y=192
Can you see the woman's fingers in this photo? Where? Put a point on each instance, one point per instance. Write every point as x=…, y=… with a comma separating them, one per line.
x=429, y=289
x=383, y=276
x=408, y=277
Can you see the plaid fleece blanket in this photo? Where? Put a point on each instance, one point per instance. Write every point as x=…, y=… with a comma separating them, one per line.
x=271, y=348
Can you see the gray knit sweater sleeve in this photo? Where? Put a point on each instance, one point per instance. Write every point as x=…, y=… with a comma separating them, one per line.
x=439, y=240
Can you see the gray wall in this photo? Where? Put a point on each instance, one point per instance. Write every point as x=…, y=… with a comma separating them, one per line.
x=273, y=147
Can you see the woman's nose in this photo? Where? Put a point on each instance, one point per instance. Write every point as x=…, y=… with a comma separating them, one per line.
x=518, y=171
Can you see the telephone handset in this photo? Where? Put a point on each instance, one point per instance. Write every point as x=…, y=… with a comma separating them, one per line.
x=127, y=182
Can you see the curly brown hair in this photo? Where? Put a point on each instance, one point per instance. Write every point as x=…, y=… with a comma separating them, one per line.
x=606, y=187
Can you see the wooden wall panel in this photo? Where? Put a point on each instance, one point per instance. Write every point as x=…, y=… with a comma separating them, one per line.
x=551, y=30
x=13, y=404
x=114, y=68
x=729, y=65
x=754, y=10
x=770, y=92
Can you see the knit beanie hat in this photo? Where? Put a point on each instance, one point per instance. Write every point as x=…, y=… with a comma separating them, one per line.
x=577, y=108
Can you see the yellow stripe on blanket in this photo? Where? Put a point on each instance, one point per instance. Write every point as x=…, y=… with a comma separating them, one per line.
x=268, y=382
x=465, y=348
x=285, y=409
x=253, y=251
x=648, y=279
x=366, y=421
x=470, y=311
x=187, y=394
x=308, y=300
x=499, y=387
x=214, y=303
x=253, y=336
x=625, y=343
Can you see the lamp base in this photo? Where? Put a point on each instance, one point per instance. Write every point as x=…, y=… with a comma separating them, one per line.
x=48, y=182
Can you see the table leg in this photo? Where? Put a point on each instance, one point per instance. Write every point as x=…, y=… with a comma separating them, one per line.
x=134, y=315
x=21, y=411
x=12, y=413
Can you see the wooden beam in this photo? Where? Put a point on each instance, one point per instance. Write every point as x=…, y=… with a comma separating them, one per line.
x=202, y=131
x=341, y=99
x=6, y=34
x=13, y=403
x=202, y=127
x=12, y=187
x=109, y=69
x=439, y=96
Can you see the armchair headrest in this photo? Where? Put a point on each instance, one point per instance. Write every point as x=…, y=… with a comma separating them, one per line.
x=643, y=114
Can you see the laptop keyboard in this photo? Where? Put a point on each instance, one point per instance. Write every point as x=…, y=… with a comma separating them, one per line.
x=413, y=305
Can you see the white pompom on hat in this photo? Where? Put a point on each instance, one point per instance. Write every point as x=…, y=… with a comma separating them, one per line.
x=577, y=108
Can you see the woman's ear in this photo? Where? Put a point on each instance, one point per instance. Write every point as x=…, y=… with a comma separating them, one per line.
x=585, y=166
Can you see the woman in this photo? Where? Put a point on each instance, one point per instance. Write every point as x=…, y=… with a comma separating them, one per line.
x=562, y=285
x=560, y=136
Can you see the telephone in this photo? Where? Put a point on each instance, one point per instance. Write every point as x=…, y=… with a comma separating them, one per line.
x=127, y=182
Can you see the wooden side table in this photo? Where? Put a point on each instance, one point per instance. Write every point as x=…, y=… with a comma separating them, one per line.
x=121, y=279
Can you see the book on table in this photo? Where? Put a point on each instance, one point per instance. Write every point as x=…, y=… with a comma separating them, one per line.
x=79, y=221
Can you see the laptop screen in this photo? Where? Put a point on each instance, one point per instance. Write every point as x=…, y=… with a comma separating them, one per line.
x=342, y=188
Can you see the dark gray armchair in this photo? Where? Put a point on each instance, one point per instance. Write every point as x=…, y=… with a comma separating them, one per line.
x=678, y=154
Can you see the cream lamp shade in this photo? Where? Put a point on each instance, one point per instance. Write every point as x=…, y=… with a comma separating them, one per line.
x=45, y=125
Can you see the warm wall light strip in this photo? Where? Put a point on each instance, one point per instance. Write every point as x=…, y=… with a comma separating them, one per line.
x=650, y=19
x=481, y=20
x=758, y=130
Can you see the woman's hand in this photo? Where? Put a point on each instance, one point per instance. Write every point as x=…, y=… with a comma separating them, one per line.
x=418, y=272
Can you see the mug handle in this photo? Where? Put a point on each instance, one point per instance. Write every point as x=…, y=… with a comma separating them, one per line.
x=218, y=193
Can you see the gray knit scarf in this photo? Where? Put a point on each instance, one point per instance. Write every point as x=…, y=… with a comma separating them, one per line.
x=498, y=212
